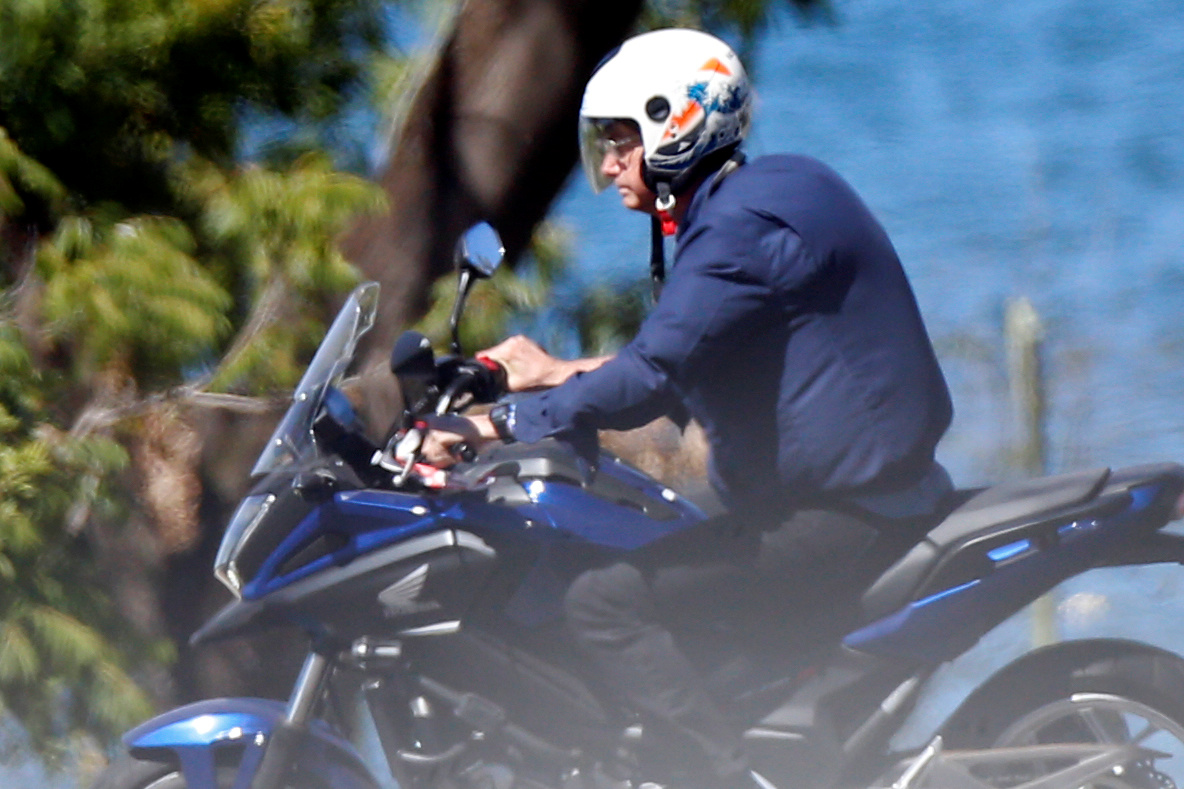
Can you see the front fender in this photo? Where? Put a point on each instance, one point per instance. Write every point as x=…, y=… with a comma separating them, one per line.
x=206, y=735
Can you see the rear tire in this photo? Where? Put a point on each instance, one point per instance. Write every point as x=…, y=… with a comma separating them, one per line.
x=1084, y=692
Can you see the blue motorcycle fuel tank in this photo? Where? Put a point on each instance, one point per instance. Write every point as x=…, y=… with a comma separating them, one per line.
x=611, y=506
x=375, y=562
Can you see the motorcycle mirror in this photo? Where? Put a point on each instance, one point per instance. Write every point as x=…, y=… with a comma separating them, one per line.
x=480, y=248
x=478, y=254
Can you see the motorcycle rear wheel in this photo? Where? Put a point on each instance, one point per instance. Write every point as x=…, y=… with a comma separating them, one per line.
x=1085, y=693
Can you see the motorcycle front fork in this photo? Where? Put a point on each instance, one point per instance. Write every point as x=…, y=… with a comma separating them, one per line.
x=286, y=738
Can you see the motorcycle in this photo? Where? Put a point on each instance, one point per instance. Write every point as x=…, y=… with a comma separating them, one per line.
x=430, y=600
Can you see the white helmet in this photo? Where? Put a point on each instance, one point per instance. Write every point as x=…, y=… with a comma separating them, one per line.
x=686, y=91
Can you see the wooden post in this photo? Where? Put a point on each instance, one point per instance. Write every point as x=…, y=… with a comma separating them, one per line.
x=1025, y=338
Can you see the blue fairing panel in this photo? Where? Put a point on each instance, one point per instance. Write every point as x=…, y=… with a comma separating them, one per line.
x=214, y=732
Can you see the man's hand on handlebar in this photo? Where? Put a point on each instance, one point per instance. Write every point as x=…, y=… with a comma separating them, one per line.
x=449, y=435
x=529, y=367
x=444, y=439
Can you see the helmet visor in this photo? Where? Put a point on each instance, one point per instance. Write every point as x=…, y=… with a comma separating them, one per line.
x=601, y=138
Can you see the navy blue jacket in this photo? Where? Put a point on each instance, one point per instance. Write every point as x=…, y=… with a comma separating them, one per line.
x=787, y=328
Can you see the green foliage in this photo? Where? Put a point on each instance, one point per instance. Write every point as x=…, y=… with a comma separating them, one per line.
x=281, y=227
x=64, y=657
x=606, y=317
x=21, y=175
x=119, y=127
x=283, y=223
x=141, y=258
x=120, y=312
x=100, y=91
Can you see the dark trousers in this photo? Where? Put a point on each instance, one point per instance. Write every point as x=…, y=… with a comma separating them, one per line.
x=625, y=615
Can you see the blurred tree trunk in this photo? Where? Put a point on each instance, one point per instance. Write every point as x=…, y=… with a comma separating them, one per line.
x=491, y=134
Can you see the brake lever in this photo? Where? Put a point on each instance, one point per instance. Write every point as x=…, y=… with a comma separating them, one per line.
x=484, y=379
x=444, y=404
x=407, y=446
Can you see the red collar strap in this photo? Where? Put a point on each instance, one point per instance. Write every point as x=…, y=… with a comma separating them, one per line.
x=664, y=205
x=669, y=226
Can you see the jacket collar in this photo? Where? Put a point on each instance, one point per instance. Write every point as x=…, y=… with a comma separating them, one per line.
x=709, y=187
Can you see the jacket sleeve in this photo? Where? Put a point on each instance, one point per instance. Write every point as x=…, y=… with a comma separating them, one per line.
x=718, y=294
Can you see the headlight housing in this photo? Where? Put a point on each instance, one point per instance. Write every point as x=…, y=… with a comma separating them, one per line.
x=246, y=519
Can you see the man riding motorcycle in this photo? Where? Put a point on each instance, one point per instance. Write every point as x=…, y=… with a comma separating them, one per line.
x=788, y=330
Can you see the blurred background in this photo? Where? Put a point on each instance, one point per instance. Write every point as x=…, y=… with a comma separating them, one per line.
x=1015, y=151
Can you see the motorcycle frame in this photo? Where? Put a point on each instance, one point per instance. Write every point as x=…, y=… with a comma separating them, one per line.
x=269, y=733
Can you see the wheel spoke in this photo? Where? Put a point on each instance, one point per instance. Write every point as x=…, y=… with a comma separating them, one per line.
x=1095, y=725
x=1107, y=720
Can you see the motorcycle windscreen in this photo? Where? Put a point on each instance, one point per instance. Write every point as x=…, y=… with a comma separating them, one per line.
x=293, y=438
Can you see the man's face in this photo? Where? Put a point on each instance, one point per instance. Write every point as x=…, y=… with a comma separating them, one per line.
x=623, y=162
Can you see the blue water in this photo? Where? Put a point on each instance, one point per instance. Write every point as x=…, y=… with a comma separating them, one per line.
x=1029, y=149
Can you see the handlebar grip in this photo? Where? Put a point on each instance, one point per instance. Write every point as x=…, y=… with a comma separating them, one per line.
x=464, y=452
x=497, y=375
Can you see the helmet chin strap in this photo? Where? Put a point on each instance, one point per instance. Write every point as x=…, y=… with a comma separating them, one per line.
x=661, y=226
x=657, y=258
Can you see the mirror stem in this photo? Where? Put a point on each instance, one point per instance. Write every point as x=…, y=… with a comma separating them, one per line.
x=463, y=283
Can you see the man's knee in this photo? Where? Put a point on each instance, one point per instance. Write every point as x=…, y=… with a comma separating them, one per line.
x=605, y=597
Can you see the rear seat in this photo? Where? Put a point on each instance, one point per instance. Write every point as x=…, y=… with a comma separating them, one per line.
x=1009, y=504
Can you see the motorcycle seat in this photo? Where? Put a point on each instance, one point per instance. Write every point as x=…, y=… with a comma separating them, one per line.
x=994, y=510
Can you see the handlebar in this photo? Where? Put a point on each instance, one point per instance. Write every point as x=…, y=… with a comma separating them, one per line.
x=464, y=452
x=482, y=378
x=485, y=380
x=447, y=386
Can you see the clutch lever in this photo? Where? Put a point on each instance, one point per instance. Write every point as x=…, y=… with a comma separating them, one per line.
x=408, y=447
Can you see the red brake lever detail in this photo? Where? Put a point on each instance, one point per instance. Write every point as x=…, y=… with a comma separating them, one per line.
x=489, y=363
x=431, y=476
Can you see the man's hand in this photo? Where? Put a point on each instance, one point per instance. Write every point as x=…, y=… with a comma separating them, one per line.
x=529, y=367
x=446, y=433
